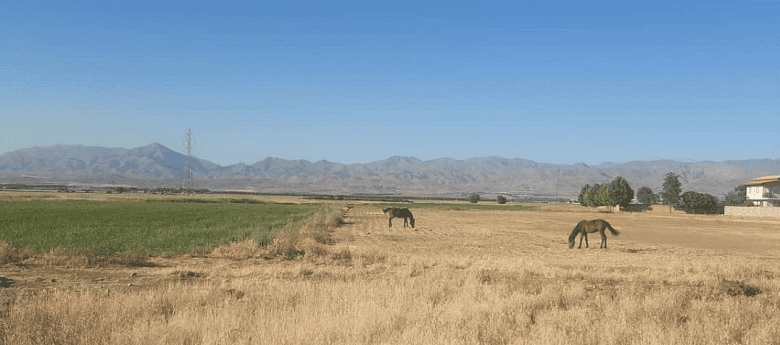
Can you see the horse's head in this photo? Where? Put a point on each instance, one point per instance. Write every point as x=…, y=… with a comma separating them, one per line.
x=411, y=221
x=571, y=243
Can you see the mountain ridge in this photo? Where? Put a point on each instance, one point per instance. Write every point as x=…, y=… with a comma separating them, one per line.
x=492, y=174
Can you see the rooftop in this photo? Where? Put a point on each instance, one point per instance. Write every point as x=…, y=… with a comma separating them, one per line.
x=763, y=180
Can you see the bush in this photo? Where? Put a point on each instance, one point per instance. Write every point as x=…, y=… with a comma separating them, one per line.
x=693, y=202
x=501, y=199
x=474, y=198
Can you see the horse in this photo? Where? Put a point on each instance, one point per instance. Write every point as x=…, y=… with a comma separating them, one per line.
x=399, y=213
x=586, y=226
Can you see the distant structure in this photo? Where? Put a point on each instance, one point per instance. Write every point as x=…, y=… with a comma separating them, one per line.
x=759, y=191
x=187, y=178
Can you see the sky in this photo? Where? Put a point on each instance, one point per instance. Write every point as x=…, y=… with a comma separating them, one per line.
x=353, y=82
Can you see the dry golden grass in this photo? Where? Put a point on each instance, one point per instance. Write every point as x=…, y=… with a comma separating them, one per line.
x=460, y=277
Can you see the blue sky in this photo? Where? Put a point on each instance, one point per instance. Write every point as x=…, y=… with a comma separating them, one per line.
x=551, y=81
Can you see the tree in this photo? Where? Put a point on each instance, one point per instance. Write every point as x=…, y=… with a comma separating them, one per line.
x=501, y=199
x=590, y=196
x=474, y=198
x=604, y=197
x=736, y=197
x=621, y=192
x=587, y=199
x=645, y=195
x=671, y=190
x=693, y=202
x=583, y=192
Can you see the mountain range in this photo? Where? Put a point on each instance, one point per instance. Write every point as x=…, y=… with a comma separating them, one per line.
x=157, y=165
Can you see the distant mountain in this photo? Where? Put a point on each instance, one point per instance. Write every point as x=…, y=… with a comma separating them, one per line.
x=397, y=174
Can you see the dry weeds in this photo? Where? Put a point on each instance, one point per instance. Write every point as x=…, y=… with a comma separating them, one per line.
x=460, y=277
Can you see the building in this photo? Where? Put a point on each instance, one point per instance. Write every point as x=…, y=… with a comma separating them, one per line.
x=764, y=191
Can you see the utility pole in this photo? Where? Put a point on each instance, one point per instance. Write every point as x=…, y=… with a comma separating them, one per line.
x=556, y=184
x=187, y=178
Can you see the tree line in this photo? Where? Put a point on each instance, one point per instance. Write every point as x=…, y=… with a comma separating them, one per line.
x=619, y=192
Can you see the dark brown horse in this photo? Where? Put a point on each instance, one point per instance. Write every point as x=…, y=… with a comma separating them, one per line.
x=586, y=226
x=399, y=213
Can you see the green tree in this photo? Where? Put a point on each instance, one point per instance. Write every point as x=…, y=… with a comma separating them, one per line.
x=671, y=190
x=645, y=195
x=474, y=198
x=621, y=192
x=583, y=192
x=588, y=199
x=693, y=202
x=736, y=197
x=591, y=198
x=604, y=197
x=501, y=199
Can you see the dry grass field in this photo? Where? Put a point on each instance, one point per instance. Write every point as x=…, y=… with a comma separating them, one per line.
x=460, y=277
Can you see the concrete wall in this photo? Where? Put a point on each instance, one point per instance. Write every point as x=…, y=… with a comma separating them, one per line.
x=610, y=209
x=752, y=211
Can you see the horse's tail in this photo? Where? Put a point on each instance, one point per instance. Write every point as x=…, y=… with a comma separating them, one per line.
x=611, y=229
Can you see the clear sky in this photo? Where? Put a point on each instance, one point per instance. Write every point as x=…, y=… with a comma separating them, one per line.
x=551, y=81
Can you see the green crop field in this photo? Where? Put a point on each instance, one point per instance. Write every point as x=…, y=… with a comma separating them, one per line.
x=132, y=227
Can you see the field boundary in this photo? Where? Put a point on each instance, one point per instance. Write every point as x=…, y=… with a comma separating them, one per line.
x=751, y=211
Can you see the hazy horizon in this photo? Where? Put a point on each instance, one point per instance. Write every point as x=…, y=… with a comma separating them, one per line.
x=349, y=163
x=558, y=82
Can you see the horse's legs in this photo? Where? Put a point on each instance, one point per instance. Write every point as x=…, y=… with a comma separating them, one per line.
x=406, y=222
x=583, y=235
x=391, y=222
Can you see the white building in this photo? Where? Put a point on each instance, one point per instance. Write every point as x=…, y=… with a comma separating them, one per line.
x=759, y=190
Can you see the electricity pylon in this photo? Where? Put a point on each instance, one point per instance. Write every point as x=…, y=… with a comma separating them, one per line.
x=187, y=178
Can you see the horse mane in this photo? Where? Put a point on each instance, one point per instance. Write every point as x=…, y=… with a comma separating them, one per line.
x=575, y=232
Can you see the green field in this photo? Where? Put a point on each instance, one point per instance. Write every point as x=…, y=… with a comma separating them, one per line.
x=131, y=227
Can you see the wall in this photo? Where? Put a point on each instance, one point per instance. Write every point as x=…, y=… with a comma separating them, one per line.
x=752, y=211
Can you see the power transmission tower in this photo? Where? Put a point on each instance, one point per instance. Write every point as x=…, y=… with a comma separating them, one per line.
x=557, y=183
x=187, y=181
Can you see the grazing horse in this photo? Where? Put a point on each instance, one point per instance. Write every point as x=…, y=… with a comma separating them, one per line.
x=586, y=226
x=399, y=213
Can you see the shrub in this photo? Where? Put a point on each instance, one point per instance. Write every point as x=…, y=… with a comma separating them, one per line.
x=693, y=202
x=501, y=199
x=474, y=198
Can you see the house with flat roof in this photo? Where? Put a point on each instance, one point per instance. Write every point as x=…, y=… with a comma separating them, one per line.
x=764, y=191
